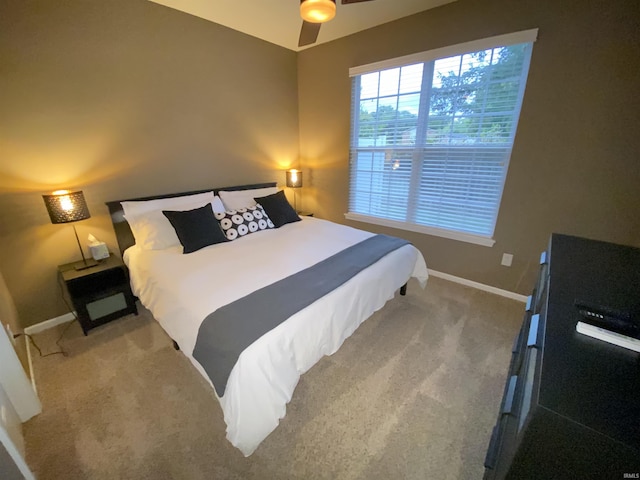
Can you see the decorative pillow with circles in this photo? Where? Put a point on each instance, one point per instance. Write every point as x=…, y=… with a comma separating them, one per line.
x=241, y=222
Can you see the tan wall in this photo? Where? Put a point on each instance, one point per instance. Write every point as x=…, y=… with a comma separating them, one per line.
x=125, y=98
x=575, y=166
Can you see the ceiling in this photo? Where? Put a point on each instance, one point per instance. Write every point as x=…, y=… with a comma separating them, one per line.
x=279, y=22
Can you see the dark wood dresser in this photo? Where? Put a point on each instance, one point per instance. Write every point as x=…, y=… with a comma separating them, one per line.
x=571, y=404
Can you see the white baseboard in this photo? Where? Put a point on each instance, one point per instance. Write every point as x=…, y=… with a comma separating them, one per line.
x=41, y=327
x=479, y=286
x=52, y=322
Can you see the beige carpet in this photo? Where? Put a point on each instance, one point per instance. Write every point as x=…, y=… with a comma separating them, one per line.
x=413, y=394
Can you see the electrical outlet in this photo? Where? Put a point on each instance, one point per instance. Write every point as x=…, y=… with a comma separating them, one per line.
x=10, y=333
x=507, y=258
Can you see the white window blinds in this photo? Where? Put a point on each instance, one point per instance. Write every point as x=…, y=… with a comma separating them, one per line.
x=431, y=140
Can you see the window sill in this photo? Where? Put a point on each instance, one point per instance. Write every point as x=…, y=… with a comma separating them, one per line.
x=438, y=232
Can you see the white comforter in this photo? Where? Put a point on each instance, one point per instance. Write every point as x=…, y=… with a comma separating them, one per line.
x=181, y=290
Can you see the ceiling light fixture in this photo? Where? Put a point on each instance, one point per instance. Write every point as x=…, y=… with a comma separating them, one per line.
x=317, y=11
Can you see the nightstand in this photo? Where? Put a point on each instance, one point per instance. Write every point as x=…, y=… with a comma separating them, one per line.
x=99, y=294
x=306, y=214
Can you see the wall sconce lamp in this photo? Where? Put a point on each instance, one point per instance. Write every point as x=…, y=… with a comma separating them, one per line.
x=294, y=180
x=67, y=207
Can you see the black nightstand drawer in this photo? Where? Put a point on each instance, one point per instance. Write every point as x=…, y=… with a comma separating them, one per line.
x=100, y=281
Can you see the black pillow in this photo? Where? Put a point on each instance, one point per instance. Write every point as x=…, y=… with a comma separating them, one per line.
x=278, y=209
x=197, y=228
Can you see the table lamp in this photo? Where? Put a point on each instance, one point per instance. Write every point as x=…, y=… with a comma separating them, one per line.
x=294, y=180
x=66, y=207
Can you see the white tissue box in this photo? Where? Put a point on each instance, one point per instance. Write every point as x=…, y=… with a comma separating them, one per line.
x=99, y=250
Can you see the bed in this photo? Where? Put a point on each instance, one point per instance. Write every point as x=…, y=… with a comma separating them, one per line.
x=183, y=291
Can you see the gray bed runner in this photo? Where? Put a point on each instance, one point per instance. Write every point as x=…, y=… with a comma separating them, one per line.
x=225, y=333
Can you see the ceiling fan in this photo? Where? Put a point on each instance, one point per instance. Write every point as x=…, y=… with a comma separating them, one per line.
x=314, y=13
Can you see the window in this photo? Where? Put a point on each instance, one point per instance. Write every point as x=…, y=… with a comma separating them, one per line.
x=432, y=134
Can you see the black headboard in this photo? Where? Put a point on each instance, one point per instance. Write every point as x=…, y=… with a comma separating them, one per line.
x=121, y=227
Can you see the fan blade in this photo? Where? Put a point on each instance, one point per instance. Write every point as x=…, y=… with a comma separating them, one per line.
x=308, y=33
x=347, y=2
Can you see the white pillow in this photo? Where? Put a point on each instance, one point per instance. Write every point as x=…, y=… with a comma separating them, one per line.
x=244, y=198
x=153, y=231
x=143, y=206
x=218, y=206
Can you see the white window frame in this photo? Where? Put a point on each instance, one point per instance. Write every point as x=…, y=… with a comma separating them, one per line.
x=526, y=36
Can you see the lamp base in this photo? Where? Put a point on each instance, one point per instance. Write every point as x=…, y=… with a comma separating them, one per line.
x=87, y=263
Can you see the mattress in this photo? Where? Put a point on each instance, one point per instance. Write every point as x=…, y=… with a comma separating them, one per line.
x=181, y=290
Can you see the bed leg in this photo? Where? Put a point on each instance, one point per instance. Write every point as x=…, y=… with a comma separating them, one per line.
x=175, y=345
x=403, y=289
